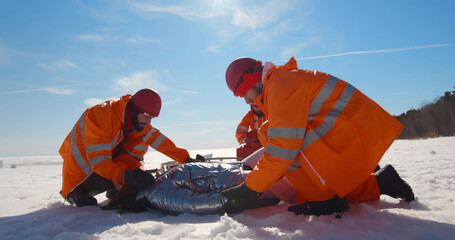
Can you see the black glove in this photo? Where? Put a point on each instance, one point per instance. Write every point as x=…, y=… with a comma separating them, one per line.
x=138, y=179
x=318, y=208
x=241, y=197
x=125, y=199
x=199, y=158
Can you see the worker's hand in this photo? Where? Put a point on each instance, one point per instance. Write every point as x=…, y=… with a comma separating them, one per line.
x=317, y=208
x=125, y=201
x=241, y=197
x=199, y=158
x=244, y=141
x=135, y=181
x=138, y=179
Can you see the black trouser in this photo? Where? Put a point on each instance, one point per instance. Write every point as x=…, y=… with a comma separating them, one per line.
x=93, y=185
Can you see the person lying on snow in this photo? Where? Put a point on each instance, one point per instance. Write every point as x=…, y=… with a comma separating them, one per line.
x=322, y=134
x=201, y=188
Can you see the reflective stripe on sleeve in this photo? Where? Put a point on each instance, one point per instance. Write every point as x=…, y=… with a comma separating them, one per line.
x=287, y=154
x=140, y=147
x=295, y=164
x=149, y=134
x=114, y=141
x=329, y=120
x=137, y=157
x=242, y=129
x=158, y=141
x=286, y=132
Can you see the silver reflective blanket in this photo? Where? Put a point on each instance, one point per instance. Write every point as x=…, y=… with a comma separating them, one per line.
x=193, y=188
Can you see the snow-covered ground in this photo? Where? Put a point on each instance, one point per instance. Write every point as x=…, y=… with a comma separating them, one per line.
x=31, y=207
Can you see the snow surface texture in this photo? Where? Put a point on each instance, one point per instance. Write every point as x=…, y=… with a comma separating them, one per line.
x=31, y=207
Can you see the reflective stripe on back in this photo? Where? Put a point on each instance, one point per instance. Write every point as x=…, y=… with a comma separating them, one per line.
x=99, y=159
x=322, y=97
x=98, y=147
x=102, y=146
x=75, y=151
x=331, y=117
x=82, y=127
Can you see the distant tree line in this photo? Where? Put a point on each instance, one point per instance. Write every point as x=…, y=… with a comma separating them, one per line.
x=432, y=120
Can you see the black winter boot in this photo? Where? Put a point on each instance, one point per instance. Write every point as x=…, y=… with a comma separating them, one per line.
x=334, y=205
x=111, y=193
x=391, y=184
x=377, y=168
x=80, y=198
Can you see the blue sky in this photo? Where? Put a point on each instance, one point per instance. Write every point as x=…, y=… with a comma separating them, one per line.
x=59, y=57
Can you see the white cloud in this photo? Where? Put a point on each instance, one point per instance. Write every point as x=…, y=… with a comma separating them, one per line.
x=260, y=16
x=233, y=18
x=65, y=64
x=94, y=101
x=216, y=123
x=110, y=11
x=189, y=92
x=62, y=65
x=62, y=90
x=295, y=50
x=379, y=51
x=213, y=48
x=90, y=38
x=136, y=40
x=195, y=10
x=139, y=80
x=59, y=90
x=212, y=130
x=173, y=102
x=193, y=113
x=4, y=55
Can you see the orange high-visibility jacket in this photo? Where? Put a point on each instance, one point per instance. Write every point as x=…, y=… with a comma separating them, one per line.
x=249, y=122
x=97, y=137
x=322, y=124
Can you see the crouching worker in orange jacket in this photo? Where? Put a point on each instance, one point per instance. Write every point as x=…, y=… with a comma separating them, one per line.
x=247, y=132
x=325, y=136
x=109, y=141
x=250, y=123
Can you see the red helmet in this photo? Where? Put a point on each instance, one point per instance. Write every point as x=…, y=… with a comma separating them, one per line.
x=235, y=72
x=148, y=101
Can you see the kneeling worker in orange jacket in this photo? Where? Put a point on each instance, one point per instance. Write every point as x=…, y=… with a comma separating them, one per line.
x=250, y=122
x=325, y=136
x=110, y=140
